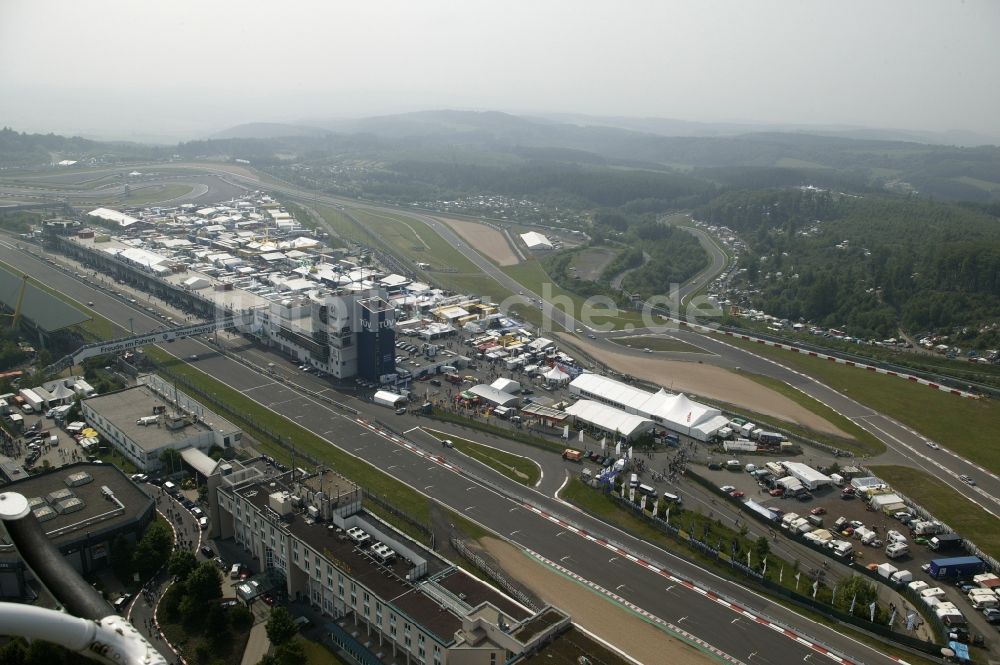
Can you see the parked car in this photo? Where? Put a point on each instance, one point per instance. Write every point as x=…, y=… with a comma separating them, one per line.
x=208, y=551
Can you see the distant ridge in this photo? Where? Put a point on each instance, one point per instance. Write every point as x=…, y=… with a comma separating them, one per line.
x=268, y=130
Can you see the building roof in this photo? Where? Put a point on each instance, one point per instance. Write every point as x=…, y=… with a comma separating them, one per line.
x=610, y=390
x=609, y=418
x=122, y=407
x=543, y=411
x=676, y=411
x=97, y=515
x=199, y=461
x=535, y=240
x=109, y=215
x=43, y=309
x=493, y=396
x=805, y=471
x=509, y=386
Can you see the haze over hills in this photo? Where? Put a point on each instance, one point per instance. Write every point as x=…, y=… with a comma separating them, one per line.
x=427, y=123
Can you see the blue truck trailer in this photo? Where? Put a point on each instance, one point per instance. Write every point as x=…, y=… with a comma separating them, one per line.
x=956, y=567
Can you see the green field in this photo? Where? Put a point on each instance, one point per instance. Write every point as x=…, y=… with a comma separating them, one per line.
x=515, y=467
x=985, y=185
x=965, y=426
x=533, y=276
x=341, y=224
x=415, y=241
x=591, y=262
x=948, y=505
x=657, y=343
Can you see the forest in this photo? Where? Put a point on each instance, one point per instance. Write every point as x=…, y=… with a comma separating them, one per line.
x=870, y=264
x=674, y=256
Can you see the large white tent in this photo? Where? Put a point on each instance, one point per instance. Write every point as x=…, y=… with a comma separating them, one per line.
x=556, y=375
x=674, y=411
x=609, y=419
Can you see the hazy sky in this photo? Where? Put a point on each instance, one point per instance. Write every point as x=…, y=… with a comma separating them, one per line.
x=186, y=68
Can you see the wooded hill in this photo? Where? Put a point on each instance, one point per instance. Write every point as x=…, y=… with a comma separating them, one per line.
x=868, y=263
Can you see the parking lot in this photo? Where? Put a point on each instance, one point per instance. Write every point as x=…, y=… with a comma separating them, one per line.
x=830, y=502
x=42, y=441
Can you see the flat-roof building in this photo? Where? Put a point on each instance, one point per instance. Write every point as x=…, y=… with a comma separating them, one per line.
x=143, y=421
x=79, y=517
x=389, y=598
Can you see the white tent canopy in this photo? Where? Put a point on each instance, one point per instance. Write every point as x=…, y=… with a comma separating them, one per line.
x=609, y=419
x=556, y=375
x=675, y=411
x=62, y=392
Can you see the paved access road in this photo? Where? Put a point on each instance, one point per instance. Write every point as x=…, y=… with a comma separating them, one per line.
x=631, y=570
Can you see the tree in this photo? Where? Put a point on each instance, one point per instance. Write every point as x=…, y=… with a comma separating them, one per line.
x=204, y=583
x=217, y=620
x=280, y=627
x=290, y=653
x=241, y=617
x=153, y=549
x=761, y=548
x=182, y=563
x=171, y=460
x=170, y=603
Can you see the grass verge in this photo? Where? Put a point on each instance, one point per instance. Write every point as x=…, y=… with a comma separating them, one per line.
x=863, y=442
x=318, y=654
x=936, y=496
x=965, y=426
x=515, y=467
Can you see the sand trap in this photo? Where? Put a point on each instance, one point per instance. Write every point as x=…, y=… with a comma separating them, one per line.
x=708, y=380
x=609, y=621
x=485, y=239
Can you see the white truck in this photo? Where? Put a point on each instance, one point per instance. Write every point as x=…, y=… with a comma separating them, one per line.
x=841, y=548
x=927, y=528
x=865, y=535
x=982, y=599
x=901, y=577
x=386, y=398
x=32, y=402
x=887, y=570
